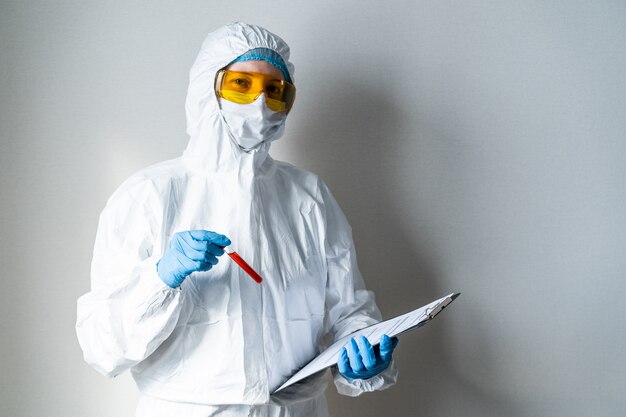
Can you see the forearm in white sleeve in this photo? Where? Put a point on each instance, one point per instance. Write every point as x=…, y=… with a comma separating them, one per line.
x=129, y=311
x=356, y=387
x=350, y=306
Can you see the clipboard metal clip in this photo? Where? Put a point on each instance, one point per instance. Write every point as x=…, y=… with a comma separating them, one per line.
x=439, y=307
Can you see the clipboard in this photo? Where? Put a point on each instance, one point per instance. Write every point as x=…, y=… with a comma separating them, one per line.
x=392, y=327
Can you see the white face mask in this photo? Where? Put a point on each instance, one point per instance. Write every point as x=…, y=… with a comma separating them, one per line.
x=254, y=123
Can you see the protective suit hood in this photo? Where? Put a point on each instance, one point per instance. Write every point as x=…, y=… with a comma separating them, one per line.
x=211, y=147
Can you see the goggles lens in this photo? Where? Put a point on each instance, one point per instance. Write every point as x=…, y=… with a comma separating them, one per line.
x=245, y=87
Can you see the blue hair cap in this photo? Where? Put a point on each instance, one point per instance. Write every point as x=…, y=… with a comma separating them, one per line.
x=267, y=55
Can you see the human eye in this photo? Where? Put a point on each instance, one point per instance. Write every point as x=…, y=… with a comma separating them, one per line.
x=240, y=83
x=274, y=90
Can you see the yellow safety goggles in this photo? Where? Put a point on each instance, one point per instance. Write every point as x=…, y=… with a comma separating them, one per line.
x=245, y=87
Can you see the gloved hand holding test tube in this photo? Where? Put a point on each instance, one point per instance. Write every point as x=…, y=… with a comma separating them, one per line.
x=243, y=264
x=197, y=250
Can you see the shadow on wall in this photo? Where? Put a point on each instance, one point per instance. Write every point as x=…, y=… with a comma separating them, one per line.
x=353, y=140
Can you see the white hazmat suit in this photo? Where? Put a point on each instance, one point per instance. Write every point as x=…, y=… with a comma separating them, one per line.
x=220, y=344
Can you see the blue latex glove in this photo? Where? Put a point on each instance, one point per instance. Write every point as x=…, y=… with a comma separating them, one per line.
x=190, y=251
x=359, y=360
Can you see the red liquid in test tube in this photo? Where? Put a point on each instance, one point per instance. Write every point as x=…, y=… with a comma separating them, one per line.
x=243, y=264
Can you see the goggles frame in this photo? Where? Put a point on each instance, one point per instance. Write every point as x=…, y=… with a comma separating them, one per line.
x=279, y=101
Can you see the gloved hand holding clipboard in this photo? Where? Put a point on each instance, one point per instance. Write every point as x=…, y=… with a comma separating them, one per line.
x=391, y=327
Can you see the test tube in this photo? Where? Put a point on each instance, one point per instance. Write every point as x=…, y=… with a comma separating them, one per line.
x=243, y=264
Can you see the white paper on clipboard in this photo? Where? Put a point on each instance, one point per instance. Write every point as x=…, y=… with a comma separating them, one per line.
x=391, y=327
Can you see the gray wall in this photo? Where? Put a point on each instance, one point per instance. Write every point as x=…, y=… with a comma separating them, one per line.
x=475, y=147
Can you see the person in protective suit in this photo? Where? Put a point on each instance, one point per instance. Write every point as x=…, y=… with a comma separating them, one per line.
x=199, y=336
